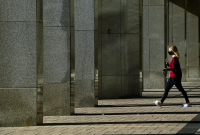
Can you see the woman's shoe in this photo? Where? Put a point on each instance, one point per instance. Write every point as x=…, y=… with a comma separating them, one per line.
x=187, y=105
x=158, y=103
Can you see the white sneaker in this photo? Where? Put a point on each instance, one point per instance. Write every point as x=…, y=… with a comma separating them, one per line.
x=157, y=103
x=186, y=105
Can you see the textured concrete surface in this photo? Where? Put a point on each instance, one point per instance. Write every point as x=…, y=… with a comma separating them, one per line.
x=18, y=107
x=18, y=65
x=56, y=99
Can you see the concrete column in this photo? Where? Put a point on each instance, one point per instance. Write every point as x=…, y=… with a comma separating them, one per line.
x=146, y=65
x=56, y=31
x=193, y=38
x=84, y=53
x=177, y=31
x=153, y=43
x=18, y=69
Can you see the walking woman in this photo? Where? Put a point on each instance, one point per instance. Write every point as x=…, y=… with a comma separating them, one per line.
x=175, y=76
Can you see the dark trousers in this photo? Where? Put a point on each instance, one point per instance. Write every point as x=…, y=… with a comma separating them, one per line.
x=177, y=83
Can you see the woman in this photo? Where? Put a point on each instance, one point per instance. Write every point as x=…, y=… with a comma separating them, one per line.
x=175, y=76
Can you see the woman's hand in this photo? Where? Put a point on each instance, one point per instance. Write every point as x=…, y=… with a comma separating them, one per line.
x=166, y=61
x=165, y=70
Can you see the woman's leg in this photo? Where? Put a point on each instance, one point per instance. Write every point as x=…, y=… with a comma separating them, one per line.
x=167, y=88
x=180, y=88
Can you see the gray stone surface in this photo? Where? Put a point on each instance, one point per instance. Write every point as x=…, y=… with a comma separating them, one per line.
x=156, y=44
x=56, y=54
x=130, y=22
x=56, y=99
x=193, y=53
x=146, y=46
x=111, y=16
x=100, y=87
x=18, y=107
x=99, y=44
x=84, y=65
x=156, y=63
x=156, y=2
x=99, y=17
x=111, y=57
x=56, y=13
x=130, y=54
x=156, y=55
x=157, y=80
x=130, y=87
x=84, y=14
x=84, y=93
x=170, y=30
x=193, y=72
x=18, y=10
x=192, y=32
x=111, y=86
x=84, y=55
x=146, y=79
x=18, y=46
x=156, y=22
x=179, y=28
x=145, y=2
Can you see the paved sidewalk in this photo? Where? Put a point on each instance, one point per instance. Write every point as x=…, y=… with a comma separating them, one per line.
x=125, y=116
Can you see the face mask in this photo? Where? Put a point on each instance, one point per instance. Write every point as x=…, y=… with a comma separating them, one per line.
x=170, y=53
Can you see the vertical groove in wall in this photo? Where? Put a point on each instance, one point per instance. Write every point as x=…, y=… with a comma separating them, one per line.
x=96, y=76
x=72, y=58
x=141, y=45
x=39, y=51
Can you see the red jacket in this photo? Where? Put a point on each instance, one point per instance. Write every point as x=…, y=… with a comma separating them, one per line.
x=175, y=69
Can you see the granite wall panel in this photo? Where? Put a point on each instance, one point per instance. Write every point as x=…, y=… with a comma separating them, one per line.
x=111, y=59
x=18, y=46
x=18, y=107
x=84, y=65
x=130, y=87
x=156, y=2
x=130, y=21
x=111, y=87
x=56, y=13
x=18, y=10
x=130, y=54
x=146, y=47
x=84, y=14
x=56, y=100
x=56, y=54
x=111, y=16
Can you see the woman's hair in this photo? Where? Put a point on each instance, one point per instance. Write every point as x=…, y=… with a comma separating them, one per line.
x=174, y=48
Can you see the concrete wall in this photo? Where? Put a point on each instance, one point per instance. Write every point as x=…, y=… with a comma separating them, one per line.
x=119, y=51
x=193, y=39
x=56, y=32
x=84, y=53
x=153, y=43
x=18, y=63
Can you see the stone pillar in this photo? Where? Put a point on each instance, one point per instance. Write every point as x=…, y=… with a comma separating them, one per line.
x=177, y=31
x=56, y=31
x=119, y=33
x=18, y=69
x=153, y=43
x=84, y=53
x=193, y=38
